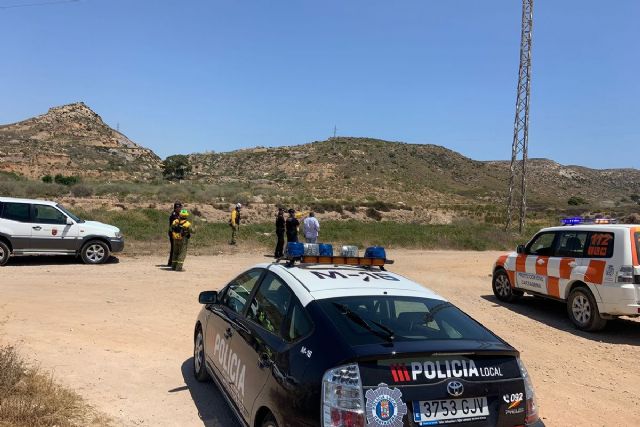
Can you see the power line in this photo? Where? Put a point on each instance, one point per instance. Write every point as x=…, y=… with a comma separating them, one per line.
x=43, y=3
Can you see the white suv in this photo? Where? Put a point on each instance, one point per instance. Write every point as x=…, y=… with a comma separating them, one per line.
x=594, y=268
x=38, y=227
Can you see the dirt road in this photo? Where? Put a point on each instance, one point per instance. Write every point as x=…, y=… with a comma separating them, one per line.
x=121, y=335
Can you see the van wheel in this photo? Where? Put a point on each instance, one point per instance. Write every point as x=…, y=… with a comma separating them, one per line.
x=95, y=252
x=4, y=253
x=199, y=370
x=583, y=310
x=269, y=421
x=502, y=287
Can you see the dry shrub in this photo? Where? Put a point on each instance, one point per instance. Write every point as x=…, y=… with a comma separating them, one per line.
x=30, y=397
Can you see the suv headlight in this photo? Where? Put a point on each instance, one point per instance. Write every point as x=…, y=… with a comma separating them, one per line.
x=119, y=235
x=342, y=398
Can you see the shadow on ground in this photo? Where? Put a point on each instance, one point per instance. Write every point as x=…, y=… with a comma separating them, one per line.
x=20, y=261
x=212, y=408
x=554, y=313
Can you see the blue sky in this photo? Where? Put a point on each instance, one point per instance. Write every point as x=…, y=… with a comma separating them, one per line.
x=196, y=75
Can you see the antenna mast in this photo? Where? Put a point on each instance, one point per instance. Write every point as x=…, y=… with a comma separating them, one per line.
x=521, y=124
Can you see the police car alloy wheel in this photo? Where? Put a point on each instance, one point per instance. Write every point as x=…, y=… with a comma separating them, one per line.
x=4, y=253
x=502, y=287
x=199, y=370
x=583, y=310
x=95, y=252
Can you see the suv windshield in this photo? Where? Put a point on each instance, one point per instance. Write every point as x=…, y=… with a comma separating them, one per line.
x=69, y=214
x=409, y=319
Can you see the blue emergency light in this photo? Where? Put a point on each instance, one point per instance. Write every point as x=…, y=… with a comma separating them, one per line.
x=375, y=252
x=572, y=220
x=295, y=249
x=326, y=249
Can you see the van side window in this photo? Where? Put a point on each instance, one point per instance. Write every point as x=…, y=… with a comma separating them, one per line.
x=571, y=244
x=16, y=211
x=542, y=245
x=600, y=245
x=43, y=214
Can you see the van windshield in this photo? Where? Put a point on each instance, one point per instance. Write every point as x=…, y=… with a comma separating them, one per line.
x=69, y=214
x=373, y=319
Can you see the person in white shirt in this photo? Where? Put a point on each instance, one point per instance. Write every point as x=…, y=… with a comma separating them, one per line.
x=311, y=227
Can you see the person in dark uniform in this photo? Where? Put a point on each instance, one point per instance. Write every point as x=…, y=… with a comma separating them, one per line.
x=291, y=226
x=177, y=207
x=280, y=229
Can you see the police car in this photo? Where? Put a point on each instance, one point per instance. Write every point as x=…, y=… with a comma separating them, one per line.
x=592, y=265
x=339, y=341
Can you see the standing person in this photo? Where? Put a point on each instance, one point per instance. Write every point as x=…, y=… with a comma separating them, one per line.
x=181, y=231
x=280, y=229
x=291, y=226
x=311, y=228
x=175, y=214
x=234, y=222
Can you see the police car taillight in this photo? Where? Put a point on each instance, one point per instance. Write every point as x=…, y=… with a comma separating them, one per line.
x=342, y=398
x=531, y=411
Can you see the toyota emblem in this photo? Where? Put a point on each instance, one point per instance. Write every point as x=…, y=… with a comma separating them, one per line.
x=455, y=388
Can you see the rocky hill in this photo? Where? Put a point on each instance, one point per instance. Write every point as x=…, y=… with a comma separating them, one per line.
x=356, y=168
x=73, y=140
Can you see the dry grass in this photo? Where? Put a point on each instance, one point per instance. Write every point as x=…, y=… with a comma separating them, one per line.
x=30, y=397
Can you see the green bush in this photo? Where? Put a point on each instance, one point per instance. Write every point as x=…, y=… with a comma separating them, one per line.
x=576, y=200
x=66, y=180
x=47, y=179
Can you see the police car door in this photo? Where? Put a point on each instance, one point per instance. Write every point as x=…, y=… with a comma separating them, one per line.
x=220, y=332
x=259, y=339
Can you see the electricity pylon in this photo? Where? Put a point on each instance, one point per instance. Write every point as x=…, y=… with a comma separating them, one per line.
x=521, y=124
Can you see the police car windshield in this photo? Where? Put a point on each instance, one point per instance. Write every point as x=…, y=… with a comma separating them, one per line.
x=410, y=319
x=69, y=214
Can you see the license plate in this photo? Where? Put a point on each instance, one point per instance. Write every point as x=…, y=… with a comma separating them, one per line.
x=445, y=411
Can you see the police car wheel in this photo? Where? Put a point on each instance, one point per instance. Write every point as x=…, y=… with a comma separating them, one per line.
x=199, y=370
x=269, y=422
x=4, y=253
x=583, y=310
x=95, y=252
x=502, y=287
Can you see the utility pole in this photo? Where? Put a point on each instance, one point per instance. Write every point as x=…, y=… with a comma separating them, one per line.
x=335, y=129
x=521, y=124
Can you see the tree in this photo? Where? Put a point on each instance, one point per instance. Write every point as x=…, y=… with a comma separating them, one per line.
x=176, y=167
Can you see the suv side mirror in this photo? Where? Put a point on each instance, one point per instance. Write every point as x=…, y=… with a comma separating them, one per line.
x=208, y=297
x=69, y=221
x=520, y=249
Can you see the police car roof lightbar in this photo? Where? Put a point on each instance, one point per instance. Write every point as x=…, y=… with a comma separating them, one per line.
x=323, y=254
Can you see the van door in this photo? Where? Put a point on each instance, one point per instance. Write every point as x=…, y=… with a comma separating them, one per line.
x=531, y=267
x=50, y=231
x=568, y=262
x=18, y=216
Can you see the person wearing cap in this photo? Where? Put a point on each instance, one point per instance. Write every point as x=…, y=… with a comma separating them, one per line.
x=291, y=226
x=234, y=222
x=280, y=229
x=311, y=228
x=181, y=231
x=175, y=214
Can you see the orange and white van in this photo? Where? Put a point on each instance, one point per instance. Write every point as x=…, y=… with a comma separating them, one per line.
x=594, y=268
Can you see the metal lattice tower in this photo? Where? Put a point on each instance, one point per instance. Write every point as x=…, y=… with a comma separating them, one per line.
x=521, y=124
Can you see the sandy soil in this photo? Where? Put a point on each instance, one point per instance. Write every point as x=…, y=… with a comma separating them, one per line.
x=121, y=335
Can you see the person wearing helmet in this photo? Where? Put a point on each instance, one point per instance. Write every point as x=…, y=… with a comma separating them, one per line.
x=234, y=222
x=181, y=231
x=175, y=214
x=292, y=225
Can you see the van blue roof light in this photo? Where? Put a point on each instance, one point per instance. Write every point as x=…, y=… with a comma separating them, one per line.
x=573, y=220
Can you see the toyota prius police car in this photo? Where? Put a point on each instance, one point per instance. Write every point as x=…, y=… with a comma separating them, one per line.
x=331, y=341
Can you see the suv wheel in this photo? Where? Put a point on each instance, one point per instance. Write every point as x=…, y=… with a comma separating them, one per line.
x=95, y=252
x=583, y=310
x=4, y=253
x=502, y=287
x=199, y=370
x=269, y=421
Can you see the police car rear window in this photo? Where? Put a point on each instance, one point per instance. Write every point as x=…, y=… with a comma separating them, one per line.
x=409, y=319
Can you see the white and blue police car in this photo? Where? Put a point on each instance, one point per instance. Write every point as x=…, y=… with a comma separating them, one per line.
x=331, y=341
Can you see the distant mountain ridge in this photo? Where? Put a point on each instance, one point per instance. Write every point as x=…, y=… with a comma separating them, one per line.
x=73, y=140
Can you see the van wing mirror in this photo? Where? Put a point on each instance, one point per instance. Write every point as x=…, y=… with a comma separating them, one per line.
x=208, y=297
x=520, y=249
x=69, y=221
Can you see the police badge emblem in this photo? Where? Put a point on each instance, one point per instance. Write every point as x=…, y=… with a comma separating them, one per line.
x=385, y=407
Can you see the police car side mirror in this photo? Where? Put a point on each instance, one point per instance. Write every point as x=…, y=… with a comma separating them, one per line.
x=520, y=249
x=208, y=297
